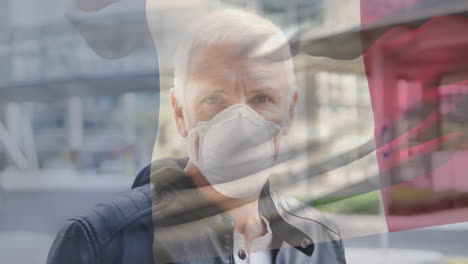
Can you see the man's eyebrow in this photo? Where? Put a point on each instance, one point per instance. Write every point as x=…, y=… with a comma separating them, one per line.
x=208, y=93
x=217, y=91
x=205, y=88
x=264, y=89
x=261, y=89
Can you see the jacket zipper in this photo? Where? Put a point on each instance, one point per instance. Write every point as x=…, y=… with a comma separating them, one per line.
x=276, y=252
x=231, y=247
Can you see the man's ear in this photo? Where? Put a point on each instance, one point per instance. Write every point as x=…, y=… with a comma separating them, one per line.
x=178, y=113
x=291, y=112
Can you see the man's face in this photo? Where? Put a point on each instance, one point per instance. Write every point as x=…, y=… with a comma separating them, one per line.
x=219, y=78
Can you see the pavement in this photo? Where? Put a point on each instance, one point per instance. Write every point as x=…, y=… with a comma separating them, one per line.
x=41, y=201
x=391, y=256
x=367, y=232
x=24, y=247
x=34, y=205
x=62, y=180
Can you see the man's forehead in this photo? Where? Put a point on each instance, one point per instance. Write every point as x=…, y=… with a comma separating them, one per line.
x=224, y=60
x=225, y=74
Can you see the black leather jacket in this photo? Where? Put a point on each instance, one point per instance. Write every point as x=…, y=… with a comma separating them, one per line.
x=168, y=221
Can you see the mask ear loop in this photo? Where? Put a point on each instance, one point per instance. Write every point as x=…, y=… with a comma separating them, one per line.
x=194, y=136
x=191, y=139
x=191, y=145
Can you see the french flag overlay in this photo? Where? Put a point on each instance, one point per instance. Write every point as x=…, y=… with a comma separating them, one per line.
x=415, y=55
x=416, y=60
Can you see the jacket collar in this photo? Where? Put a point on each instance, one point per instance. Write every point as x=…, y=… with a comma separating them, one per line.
x=170, y=183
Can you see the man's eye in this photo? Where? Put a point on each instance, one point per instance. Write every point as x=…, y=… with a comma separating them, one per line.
x=260, y=99
x=212, y=100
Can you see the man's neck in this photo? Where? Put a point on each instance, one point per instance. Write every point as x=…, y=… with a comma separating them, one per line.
x=249, y=222
x=244, y=211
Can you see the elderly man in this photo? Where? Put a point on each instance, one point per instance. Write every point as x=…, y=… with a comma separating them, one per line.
x=233, y=103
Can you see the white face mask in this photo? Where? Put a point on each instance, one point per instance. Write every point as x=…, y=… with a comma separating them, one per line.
x=236, y=150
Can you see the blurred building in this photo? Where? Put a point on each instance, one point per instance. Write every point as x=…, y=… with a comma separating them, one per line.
x=65, y=101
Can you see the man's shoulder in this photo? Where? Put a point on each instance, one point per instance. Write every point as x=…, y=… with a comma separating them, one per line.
x=98, y=234
x=108, y=219
x=129, y=210
x=306, y=218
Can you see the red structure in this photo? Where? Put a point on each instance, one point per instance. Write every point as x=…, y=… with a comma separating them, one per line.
x=418, y=80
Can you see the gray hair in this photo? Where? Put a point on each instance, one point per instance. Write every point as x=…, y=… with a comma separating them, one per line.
x=249, y=32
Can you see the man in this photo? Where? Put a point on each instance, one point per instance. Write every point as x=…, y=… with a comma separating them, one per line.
x=232, y=104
